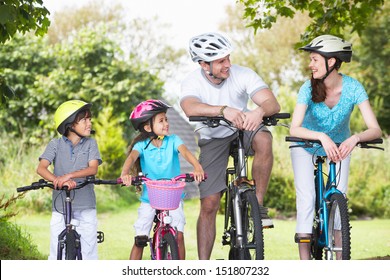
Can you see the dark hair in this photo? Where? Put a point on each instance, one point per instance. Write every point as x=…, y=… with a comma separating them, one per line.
x=143, y=135
x=318, y=90
x=86, y=113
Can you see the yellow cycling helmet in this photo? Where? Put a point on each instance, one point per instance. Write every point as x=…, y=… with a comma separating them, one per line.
x=66, y=113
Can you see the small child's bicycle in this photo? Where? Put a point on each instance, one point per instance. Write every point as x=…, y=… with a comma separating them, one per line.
x=69, y=238
x=164, y=195
x=331, y=228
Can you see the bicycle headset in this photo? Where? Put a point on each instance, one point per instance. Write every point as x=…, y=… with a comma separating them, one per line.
x=66, y=114
x=330, y=46
x=209, y=47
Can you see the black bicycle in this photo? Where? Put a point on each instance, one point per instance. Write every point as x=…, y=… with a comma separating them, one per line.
x=243, y=230
x=69, y=238
x=331, y=227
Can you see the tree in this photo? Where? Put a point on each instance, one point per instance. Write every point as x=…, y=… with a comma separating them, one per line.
x=329, y=16
x=271, y=53
x=373, y=57
x=22, y=16
x=91, y=67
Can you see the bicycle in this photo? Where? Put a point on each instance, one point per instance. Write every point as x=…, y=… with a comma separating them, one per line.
x=243, y=230
x=69, y=238
x=331, y=218
x=164, y=195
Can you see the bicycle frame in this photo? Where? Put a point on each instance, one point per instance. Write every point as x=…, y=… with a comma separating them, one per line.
x=162, y=226
x=70, y=228
x=236, y=188
x=322, y=199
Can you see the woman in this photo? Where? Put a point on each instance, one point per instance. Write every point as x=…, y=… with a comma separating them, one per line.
x=323, y=112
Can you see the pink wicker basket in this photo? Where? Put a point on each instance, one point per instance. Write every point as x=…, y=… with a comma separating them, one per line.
x=165, y=194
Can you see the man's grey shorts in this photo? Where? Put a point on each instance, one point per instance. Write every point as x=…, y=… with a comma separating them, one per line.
x=214, y=157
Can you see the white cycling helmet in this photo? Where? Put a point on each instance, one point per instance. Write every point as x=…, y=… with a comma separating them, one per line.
x=330, y=46
x=209, y=47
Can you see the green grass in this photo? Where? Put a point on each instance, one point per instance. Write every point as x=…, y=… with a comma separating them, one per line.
x=370, y=238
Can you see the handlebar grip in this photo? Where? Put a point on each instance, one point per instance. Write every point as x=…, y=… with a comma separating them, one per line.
x=23, y=189
x=282, y=115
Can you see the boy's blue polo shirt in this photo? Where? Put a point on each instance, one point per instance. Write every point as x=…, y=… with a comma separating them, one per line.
x=159, y=163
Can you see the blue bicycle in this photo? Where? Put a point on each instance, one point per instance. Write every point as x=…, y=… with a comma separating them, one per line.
x=331, y=236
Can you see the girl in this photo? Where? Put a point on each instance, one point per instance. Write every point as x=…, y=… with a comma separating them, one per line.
x=155, y=153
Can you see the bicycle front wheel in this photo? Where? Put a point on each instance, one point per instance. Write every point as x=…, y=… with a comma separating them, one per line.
x=339, y=235
x=170, y=250
x=252, y=229
x=72, y=245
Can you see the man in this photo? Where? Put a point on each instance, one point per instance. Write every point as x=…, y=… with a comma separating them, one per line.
x=220, y=88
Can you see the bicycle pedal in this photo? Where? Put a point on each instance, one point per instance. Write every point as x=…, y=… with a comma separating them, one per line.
x=271, y=226
x=305, y=239
x=100, y=237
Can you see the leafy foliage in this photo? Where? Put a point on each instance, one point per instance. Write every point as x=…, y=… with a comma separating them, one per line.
x=90, y=67
x=22, y=16
x=329, y=16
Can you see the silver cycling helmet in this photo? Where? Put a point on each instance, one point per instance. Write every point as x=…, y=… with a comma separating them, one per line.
x=330, y=46
x=209, y=47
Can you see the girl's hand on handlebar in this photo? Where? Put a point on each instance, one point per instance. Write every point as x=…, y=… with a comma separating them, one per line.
x=126, y=180
x=198, y=174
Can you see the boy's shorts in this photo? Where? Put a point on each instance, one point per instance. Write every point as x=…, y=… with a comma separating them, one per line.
x=146, y=214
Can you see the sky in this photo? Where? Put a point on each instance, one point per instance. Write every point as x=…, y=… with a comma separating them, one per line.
x=186, y=18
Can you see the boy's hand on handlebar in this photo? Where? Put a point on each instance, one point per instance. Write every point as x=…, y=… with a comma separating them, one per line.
x=64, y=180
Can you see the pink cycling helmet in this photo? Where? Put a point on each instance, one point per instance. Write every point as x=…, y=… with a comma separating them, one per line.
x=145, y=111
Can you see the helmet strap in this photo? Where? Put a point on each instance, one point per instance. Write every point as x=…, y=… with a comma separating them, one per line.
x=75, y=132
x=328, y=71
x=210, y=73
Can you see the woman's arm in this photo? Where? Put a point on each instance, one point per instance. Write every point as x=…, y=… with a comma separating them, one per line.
x=372, y=132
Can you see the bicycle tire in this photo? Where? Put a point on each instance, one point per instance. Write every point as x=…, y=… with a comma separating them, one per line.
x=338, y=227
x=315, y=248
x=170, y=250
x=253, y=239
x=70, y=246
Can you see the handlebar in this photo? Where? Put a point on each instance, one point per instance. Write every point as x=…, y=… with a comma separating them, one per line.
x=136, y=181
x=185, y=177
x=89, y=180
x=215, y=121
x=307, y=143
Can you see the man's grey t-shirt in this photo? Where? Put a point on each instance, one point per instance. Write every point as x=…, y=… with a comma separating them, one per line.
x=66, y=158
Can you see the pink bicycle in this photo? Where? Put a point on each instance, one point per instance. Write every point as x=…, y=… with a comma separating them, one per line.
x=164, y=195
